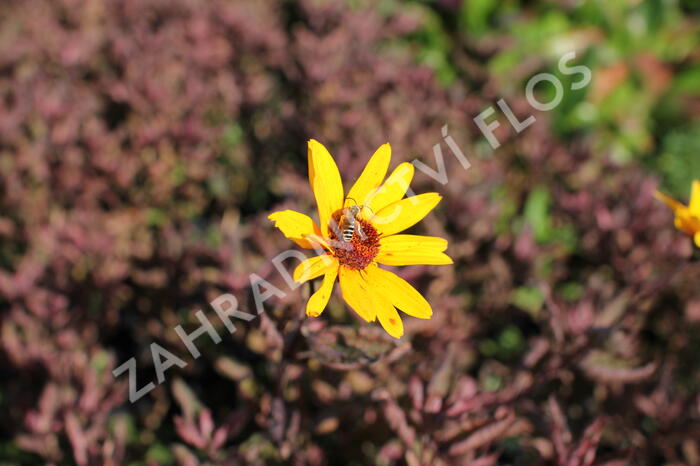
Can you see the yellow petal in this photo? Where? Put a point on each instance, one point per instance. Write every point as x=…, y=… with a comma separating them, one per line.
x=318, y=301
x=314, y=267
x=399, y=292
x=393, y=189
x=318, y=242
x=669, y=201
x=687, y=219
x=686, y=222
x=697, y=239
x=415, y=258
x=404, y=213
x=325, y=182
x=382, y=299
x=694, y=204
x=356, y=293
x=372, y=175
x=406, y=242
x=391, y=321
x=295, y=226
x=412, y=250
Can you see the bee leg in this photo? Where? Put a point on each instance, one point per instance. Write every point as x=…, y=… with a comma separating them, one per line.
x=340, y=244
x=360, y=233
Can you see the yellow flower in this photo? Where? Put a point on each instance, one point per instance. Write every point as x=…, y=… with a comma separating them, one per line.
x=687, y=217
x=358, y=232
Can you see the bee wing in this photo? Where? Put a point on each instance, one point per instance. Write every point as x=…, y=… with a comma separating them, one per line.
x=344, y=222
x=338, y=227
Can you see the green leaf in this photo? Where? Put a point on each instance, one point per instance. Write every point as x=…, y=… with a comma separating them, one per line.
x=529, y=299
x=160, y=454
x=679, y=162
x=537, y=214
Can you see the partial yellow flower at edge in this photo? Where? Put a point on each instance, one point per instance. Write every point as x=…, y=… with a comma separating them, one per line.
x=687, y=218
x=367, y=240
x=694, y=204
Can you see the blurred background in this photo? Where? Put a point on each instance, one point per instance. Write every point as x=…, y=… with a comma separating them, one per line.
x=144, y=142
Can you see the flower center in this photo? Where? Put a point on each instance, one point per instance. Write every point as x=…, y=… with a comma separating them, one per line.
x=355, y=243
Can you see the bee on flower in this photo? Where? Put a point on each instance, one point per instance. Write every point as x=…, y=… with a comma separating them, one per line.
x=358, y=232
x=687, y=217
